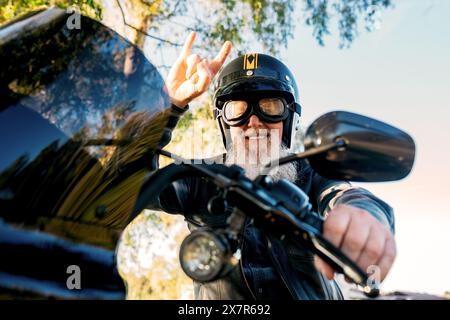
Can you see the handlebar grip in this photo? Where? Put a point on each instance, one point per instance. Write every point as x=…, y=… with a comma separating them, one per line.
x=315, y=221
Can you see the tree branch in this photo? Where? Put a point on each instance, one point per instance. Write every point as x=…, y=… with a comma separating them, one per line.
x=144, y=32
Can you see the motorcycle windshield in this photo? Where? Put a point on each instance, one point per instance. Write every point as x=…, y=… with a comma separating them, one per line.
x=81, y=113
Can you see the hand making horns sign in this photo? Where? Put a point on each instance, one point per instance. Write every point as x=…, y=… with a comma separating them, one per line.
x=191, y=74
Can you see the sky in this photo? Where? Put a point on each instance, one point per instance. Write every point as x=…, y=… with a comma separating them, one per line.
x=399, y=74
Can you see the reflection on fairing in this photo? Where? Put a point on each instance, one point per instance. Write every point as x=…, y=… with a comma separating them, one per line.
x=64, y=92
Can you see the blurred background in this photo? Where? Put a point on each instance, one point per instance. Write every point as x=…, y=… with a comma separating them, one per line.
x=387, y=59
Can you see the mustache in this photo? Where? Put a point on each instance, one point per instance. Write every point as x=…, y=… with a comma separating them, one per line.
x=256, y=133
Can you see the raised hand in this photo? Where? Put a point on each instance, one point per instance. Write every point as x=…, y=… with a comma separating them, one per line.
x=191, y=74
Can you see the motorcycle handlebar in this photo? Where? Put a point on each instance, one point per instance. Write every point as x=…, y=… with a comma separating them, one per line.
x=162, y=178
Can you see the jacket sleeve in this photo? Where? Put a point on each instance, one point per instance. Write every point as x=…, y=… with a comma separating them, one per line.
x=329, y=193
x=174, y=198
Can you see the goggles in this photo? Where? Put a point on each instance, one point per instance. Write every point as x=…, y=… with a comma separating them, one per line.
x=270, y=110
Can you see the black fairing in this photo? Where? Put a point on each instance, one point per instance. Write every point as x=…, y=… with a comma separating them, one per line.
x=81, y=112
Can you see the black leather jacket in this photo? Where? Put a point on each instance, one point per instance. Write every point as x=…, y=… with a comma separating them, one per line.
x=285, y=272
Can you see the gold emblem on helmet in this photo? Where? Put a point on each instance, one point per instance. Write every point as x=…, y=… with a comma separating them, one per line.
x=251, y=61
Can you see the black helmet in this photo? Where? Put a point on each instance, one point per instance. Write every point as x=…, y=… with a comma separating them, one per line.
x=255, y=75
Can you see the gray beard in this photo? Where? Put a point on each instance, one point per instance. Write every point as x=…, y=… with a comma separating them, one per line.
x=287, y=171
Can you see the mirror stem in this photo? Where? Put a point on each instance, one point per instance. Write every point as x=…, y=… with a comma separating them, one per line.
x=338, y=143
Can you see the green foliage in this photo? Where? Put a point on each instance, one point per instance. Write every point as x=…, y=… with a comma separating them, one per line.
x=267, y=23
x=12, y=9
x=270, y=22
x=347, y=13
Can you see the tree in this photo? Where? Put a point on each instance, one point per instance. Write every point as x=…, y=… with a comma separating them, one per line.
x=269, y=23
x=319, y=12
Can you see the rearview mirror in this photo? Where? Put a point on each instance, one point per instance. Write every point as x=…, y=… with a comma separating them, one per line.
x=374, y=151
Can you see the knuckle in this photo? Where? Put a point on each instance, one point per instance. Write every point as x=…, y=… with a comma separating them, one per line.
x=389, y=260
x=389, y=257
x=340, y=207
x=352, y=244
x=387, y=232
x=362, y=214
x=335, y=227
x=373, y=252
x=391, y=254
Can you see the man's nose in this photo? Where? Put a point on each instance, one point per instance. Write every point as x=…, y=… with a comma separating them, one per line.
x=254, y=122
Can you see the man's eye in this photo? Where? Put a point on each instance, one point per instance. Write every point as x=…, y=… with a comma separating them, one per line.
x=273, y=107
x=234, y=109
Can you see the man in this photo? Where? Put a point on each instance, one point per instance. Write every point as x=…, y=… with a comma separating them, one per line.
x=256, y=102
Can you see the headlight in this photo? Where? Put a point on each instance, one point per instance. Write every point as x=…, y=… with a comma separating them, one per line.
x=205, y=256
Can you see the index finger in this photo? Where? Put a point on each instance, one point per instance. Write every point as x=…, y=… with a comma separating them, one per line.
x=188, y=45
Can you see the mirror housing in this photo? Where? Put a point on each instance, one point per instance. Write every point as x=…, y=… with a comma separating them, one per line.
x=374, y=151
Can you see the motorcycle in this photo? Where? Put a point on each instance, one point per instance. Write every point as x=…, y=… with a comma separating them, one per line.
x=338, y=145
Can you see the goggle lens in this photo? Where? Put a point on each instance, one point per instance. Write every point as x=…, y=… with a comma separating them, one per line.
x=270, y=107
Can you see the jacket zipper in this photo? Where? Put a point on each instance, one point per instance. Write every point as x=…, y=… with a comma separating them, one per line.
x=241, y=263
x=278, y=268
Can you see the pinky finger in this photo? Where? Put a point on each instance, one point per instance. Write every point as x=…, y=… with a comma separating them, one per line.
x=388, y=257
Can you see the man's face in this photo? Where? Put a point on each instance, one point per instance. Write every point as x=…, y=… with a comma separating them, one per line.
x=256, y=143
x=258, y=138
